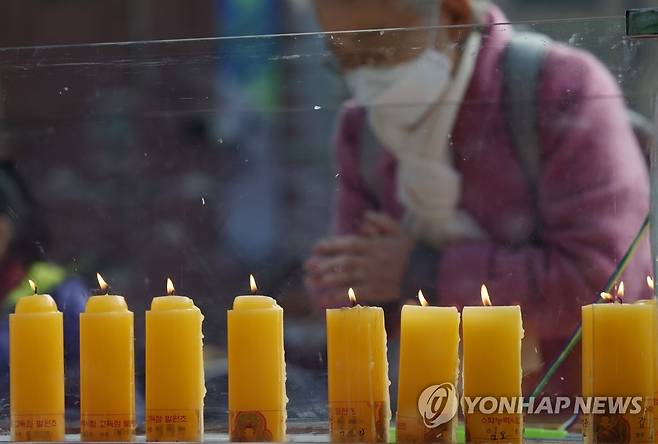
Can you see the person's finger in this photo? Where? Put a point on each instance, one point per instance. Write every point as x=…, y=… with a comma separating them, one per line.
x=339, y=264
x=344, y=278
x=320, y=263
x=383, y=222
x=369, y=230
x=312, y=263
x=341, y=245
x=318, y=247
x=339, y=279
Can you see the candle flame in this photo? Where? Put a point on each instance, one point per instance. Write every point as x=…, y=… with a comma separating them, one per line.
x=606, y=296
x=620, y=291
x=422, y=299
x=484, y=293
x=650, y=283
x=170, y=287
x=33, y=286
x=101, y=282
x=351, y=295
x=252, y=284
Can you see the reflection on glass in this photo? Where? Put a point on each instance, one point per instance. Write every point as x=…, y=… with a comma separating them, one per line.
x=401, y=148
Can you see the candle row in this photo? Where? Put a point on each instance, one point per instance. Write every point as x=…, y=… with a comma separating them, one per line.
x=619, y=373
x=428, y=372
x=619, y=355
x=174, y=369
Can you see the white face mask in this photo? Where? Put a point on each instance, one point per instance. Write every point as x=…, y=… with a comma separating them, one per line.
x=404, y=91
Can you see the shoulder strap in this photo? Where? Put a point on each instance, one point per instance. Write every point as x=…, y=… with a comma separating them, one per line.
x=645, y=131
x=522, y=64
x=368, y=151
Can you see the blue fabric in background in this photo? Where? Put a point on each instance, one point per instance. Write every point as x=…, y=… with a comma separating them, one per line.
x=248, y=88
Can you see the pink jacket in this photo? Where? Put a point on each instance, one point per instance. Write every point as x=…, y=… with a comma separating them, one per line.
x=593, y=190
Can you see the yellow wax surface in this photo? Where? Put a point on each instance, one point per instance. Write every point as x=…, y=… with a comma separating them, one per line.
x=36, y=369
x=492, y=367
x=38, y=303
x=107, y=370
x=652, y=303
x=165, y=303
x=256, y=370
x=492, y=351
x=252, y=302
x=358, y=374
x=106, y=304
x=429, y=355
x=618, y=348
x=174, y=370
x=618, y=359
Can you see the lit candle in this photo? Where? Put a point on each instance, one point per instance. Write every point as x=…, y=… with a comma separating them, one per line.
x=492, y=369
x=652, y=302
x=36, y=369
x=174, y=369
x=256, y=369
x=429, y=368
x=618, y=348
x=359, y=406
x=107, y=369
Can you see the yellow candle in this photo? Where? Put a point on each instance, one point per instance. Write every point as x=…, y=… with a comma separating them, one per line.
x=36, y=369
x=492, y=368
x=429, y=363
x=174, y=369
x=618, y=347
x=256, y=370
x=359, y=406
x=107, y=369
x=652, y=303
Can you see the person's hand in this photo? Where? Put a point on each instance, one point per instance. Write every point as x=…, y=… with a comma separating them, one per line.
x=373, y=263
x=378, y=224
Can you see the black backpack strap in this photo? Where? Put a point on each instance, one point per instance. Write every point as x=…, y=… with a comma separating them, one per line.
x=522, y=64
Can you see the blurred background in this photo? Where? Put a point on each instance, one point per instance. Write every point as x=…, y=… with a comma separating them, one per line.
x=207, y=159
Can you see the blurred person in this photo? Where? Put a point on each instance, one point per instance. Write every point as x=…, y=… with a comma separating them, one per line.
x=432, y=193
x=23, y=239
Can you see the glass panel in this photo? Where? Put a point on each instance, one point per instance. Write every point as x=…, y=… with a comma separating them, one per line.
x=207, y=160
